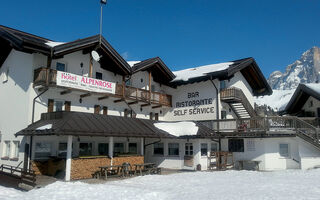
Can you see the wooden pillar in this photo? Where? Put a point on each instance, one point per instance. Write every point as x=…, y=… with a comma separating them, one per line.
x=142, y=146
x=68, y=161
x=123, y=86
x=111, y=147
x=49, y=60
x=90, y=66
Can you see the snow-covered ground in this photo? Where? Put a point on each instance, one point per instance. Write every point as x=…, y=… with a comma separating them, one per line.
x=278, y=100
x=292, y=184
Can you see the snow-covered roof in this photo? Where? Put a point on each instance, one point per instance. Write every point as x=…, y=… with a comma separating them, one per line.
x=186, y=74
x=314, y=86
x=45, y=127
x=53, y=44
x=131, y=63
x=278, y=100
x=178, y=128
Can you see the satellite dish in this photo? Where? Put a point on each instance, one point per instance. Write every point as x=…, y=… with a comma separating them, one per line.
x=95, y=56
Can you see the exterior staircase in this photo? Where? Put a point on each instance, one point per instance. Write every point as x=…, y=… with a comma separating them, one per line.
x=238, y=102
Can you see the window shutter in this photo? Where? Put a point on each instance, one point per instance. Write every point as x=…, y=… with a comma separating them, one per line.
x=96, y=109
x=50, y=105
x=105, y=110
x=67, y=105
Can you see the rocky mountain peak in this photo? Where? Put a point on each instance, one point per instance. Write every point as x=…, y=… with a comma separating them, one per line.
x=304, y=70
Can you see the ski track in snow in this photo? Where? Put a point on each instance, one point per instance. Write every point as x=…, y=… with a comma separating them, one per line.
x=290, y=184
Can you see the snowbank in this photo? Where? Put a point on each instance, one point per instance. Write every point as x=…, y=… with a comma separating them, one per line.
x=314, y=86
x=187, y=74
x=178, y=128
x=278, y=100
x=248, y=185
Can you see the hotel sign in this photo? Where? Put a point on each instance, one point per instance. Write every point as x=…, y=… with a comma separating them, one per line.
x=66, y=79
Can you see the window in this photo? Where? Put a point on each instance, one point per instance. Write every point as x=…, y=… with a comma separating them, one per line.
x=97, y=109
x=222, y=85
x=103, y=148
x=85, y=149
x=204, y=149
x=105, y=110
x=58, y=105
x=156, y=116
x=50, y=105
x=126, y=112
x=173, y=149
x=284, y=150
x=310, y=104
x=223, y=114
x=128, y=82
x=189, y=149
x=251, y=145
x=153, y=88
x=16, y=149
x=158, y=149
x=118, y=148
x=62, y=150
x=60, y=66
x=133, y=148
x=42, y=150
x=99, y=75
x=7, y=149
x=214, y=147
x=236, y=145
x=67, y=105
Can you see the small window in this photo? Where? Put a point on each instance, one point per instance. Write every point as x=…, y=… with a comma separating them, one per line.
x=236, y=145
x=284, y=150
x=97, y=109
x=67, y=105
x=251, y=145
x=311, y=104
x=61, y=67
x=128, y=82
x=222, y=85
x=103, y=149
x=118, y=148
x=156, y=116
x=173, y=149
x=141, y=80
x=133, y=148
x=7, y=149
x=42, y=150
x=62, y=150
x=58, y=106
x=204, y=149
x=158, y=149
x=223, y=114
x=214, y=147
x=188, y=149
x=85, y=149
x=16, y=149
x=105, y=110
x=99, y=75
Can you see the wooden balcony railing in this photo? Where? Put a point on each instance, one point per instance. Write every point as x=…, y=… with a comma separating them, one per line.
x=47, y=77
x=236, y=95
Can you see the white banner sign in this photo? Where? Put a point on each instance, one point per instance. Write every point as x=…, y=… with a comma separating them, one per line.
x=84, y=83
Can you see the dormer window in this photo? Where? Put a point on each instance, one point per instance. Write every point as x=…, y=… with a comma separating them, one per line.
x=61, y=66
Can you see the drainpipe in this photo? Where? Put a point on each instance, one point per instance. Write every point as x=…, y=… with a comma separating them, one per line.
x=31, y=137
x=217, y=110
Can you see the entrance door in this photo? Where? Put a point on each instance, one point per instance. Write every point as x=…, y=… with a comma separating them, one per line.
x=26, y=157
x=188, y=155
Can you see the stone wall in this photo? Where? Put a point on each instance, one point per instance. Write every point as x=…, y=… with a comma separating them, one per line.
x=83, y=168
x=49, y=167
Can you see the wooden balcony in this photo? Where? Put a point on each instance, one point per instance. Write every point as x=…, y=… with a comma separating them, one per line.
x=47, y=78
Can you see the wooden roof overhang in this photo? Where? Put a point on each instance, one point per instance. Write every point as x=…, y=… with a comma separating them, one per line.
x=110, y=59
x=159, y=70
x=249, y=69
x=299, y=98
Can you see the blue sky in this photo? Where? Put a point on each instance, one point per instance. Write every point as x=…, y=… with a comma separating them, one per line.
x=184, y=33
